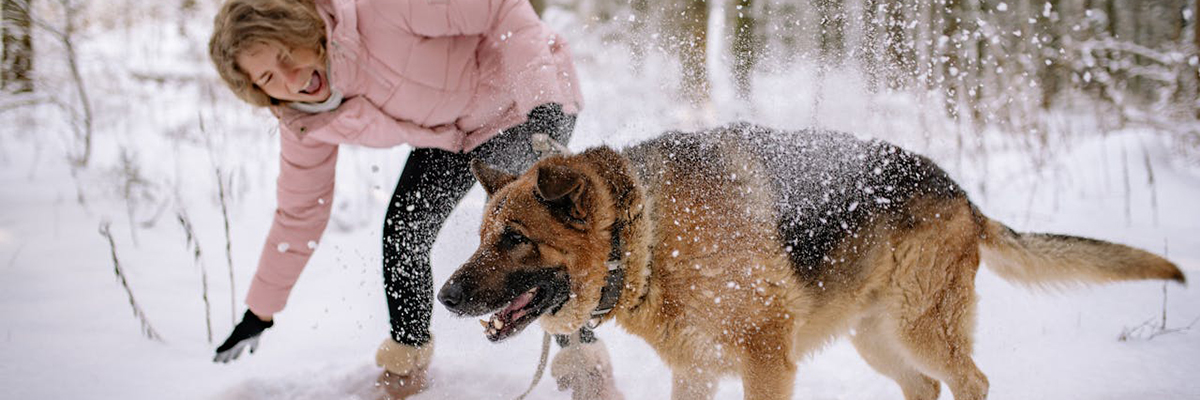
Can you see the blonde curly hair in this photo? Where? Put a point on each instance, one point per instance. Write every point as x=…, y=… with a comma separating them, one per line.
x=288, y=24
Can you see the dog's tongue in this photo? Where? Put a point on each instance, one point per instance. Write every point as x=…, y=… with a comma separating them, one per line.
x=521, y=301
x=500, y=325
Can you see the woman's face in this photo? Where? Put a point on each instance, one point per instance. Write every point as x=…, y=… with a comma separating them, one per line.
x=285, y=74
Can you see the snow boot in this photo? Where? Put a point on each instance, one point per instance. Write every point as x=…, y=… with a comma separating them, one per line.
x=405, y=369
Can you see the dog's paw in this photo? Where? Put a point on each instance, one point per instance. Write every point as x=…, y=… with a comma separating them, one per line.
x=586, y=370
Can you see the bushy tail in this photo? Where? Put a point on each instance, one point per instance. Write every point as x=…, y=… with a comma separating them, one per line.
x=1056, y=260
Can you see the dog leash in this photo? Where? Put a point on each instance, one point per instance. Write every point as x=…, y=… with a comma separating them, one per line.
x=537, y=376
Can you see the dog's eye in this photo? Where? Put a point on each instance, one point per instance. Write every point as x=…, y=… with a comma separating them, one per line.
x=512, y=238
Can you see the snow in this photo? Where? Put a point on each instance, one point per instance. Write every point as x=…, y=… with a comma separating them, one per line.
x=67, y=330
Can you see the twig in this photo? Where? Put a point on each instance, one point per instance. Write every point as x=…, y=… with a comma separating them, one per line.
x=13, y=260
x=137, y=310
x=194, y=244
x=163, y=77
x=225, y=216
x=23, y=102
x=1136, y=332
x=1125, y=165
x=79, y=197
x=1130, y=333
x=228, y=248
x=66, y=37
x=131, y=176
x=1164, y=308
x=1154, y=331
x=1150, y=181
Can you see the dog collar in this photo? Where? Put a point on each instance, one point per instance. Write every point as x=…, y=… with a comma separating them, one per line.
x=613, y=281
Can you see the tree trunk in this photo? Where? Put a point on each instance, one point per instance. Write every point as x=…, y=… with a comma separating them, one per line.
x=784, y=31
x=948, y=51
x=689, y=36
x=924, y=34
x=17, y=65
x=833, y=31
x=639, y=38
x=744, y=46
x=980, y=55
x=1049, y=68
x=900, y=61
x=868, y=54
x=1186, y=84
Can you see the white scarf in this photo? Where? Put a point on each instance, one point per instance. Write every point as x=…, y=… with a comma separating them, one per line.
x=330, y=104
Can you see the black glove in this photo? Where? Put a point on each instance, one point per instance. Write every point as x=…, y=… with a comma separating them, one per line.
x=245, y=334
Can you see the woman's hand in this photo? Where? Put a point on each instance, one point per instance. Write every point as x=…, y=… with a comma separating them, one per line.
x=245, y=334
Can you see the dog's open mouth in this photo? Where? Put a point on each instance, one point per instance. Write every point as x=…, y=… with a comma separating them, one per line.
x=524, y=309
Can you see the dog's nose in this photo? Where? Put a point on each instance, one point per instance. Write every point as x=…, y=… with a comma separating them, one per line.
x=451, y=295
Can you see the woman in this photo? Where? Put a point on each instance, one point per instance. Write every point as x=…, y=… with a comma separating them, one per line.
x=455, y=79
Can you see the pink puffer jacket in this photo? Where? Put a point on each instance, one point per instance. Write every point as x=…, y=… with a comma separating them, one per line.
x=448, y=74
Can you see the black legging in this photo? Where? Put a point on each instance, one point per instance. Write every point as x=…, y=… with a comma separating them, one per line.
x=432, y=184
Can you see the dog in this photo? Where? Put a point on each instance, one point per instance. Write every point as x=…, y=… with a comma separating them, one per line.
x=739, y=250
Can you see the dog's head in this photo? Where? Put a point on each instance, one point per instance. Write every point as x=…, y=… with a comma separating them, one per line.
x=542, y=247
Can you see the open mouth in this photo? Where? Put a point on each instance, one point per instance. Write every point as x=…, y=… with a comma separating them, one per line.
x=524, y=309
x=314, y=84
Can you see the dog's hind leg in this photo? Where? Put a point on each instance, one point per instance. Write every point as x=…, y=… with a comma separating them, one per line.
x=929, y=308
x=934, y=323
x=940, y=344
x=877, y=345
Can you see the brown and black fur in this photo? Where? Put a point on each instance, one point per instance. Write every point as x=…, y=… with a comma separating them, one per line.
x=747, y=248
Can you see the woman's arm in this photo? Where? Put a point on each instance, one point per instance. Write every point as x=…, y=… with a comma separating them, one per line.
x=304, y=193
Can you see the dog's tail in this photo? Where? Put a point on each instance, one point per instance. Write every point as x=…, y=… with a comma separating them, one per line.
x=1043, y=259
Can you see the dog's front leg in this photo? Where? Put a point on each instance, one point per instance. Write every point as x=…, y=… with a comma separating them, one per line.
x=693, y=383
x=768, y=374
x=586, y=370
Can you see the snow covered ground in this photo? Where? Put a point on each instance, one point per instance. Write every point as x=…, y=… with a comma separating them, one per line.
x=66, y=329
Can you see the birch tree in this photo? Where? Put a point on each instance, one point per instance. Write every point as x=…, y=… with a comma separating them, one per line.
x=17, y=63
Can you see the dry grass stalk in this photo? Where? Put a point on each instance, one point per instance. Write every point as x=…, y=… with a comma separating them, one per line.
x=147, y=329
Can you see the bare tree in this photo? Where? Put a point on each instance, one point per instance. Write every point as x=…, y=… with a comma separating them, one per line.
x=947, y=50
x=744, y=46
x=639, y=29
x=1050, y=73
x=17, y=65
x=977, y=53
x=833, y=31
x=66, y=36
x=1001, y=63
x=869, y=55
x=687, y=26
x=901, y=53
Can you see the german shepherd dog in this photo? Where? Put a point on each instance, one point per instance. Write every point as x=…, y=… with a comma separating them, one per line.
x=738, y=250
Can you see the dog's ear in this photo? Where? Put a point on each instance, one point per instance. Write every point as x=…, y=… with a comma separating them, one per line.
x=490, y=177
x=563, y=188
